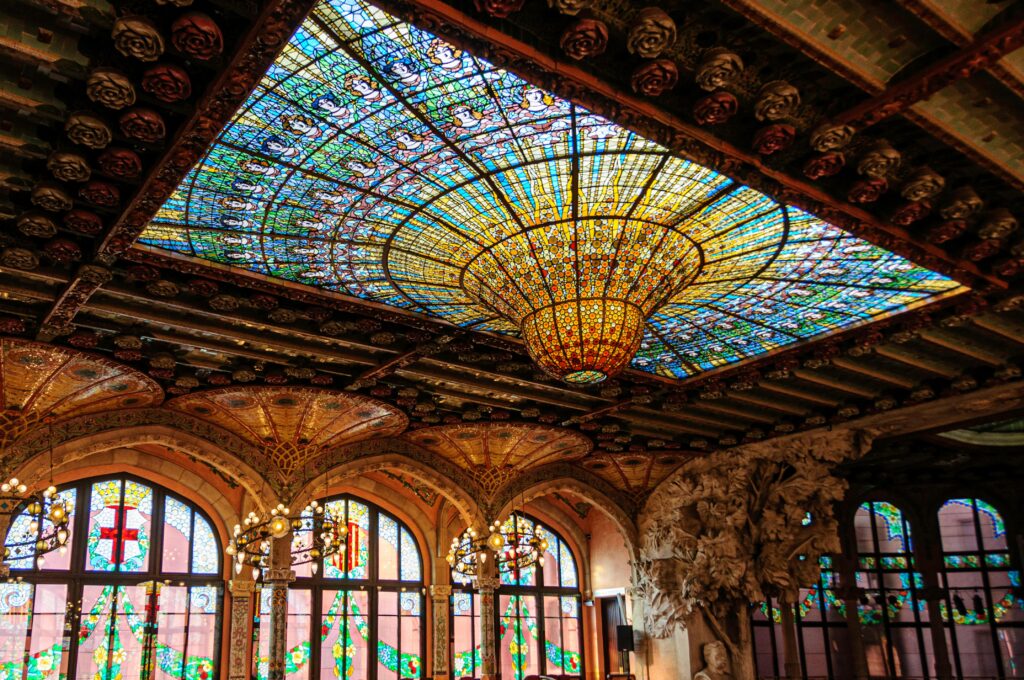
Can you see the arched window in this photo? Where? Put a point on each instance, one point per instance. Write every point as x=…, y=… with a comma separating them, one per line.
x=820, y=618
x=537, y=615
x=984, y=616
x=138, y=590
x=893, y=617
x=360, y=616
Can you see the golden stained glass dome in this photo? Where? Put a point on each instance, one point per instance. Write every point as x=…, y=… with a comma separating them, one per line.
x=378, y=161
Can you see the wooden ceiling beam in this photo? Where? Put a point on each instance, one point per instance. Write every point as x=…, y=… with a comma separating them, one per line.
x=832, y=383
x=1003, y=326
x=769, y=404
x=962, y=346
x=802, y=395
x=865, y=369
x=917, y=360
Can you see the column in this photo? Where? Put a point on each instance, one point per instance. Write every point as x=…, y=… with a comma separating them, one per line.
x=278, y=576
x=485, y=587
x=790, y=651
x=240, y=633
x=851, y=595
x=440, y=605
x=933, y=595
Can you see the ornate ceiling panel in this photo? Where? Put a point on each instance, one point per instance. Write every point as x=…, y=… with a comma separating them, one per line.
x=38, y=380
x=496, y=452
x=293, y=425
x=378, y=161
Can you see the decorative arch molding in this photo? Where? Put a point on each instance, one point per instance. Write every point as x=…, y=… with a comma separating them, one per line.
x=79, y=438
x=343, y=463
x=564, y=477
x=117, y=461
x=570, y=532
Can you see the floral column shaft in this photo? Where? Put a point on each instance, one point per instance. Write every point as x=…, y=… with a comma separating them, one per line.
x=439, y=596
x=277, y=579
x=241, y=622
x=485, y=587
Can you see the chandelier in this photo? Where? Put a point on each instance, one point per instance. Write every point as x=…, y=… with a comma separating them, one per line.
x=515, y=544
x=580, y=291
x=47, y=527
x=316, y=534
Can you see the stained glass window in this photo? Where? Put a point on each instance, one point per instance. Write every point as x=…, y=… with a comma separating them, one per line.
x=367, y=602
x=893, y=615
x=142, y=562
x=983, y=609
x=376, y=160
x=537, y=619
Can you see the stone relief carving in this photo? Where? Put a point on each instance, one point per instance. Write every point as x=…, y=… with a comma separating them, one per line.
x=733, y=528
x=716, y=663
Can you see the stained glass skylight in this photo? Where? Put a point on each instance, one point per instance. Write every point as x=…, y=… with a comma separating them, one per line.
x=376, y=160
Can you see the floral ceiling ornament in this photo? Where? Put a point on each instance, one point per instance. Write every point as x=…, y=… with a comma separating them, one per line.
x=137, y=37
x=110, y=88
x=168, y=83
x=718, y=68
x=100, y=193
x=197, y=35
x=774, y=138
x=715, y=109
x=922, y=184
x=831, y=137
x=867, y=190
x=962, y=202
x=144, y=125
x=879, y=161
x=652, y=32
x=998, y=224
x=88, y=130
x=584, y=38
x=825, y=165
x=19, y=258
x=68, y=167
x=653, y=78
x=569, y=7
x=120, y=163
x=499, y=9
x=776, y=100
x=84, y=222
x=37, y=225
x=50, y=197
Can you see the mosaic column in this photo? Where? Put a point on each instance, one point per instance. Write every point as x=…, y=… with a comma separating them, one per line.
x=440, y=604
x=278, y=576
x=240, y=634
x=485, y=587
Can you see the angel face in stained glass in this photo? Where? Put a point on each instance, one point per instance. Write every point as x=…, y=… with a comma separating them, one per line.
x=444, y=55
x=329, y=105
x=404, y=71
x=235, y=222
x=278, y=147
x=236, y=203
x=466, y=117
x=301, y=126
x=536, y=100
x=362, y=87
x=244, y=186
x=258, y=166
x=361, y=168
x=407, y=141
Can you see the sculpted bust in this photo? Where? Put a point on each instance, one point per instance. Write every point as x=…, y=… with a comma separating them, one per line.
x=716, y=660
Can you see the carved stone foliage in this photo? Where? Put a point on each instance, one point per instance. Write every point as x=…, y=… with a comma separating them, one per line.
x=733, y=528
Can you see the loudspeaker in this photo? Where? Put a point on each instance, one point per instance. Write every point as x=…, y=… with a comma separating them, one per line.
x=624, y=638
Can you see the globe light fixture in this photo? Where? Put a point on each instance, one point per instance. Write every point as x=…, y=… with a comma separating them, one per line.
x=316, y=534
x=515, y=544
x=45, y=527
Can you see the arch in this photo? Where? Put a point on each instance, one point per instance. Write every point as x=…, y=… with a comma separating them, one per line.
x=81, y=438
x=448, y=480
x=545, y=481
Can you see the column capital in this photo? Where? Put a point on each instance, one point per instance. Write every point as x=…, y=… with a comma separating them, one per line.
x=280, y=575
x=487, y=583
x=440, y=591
x=241, y=587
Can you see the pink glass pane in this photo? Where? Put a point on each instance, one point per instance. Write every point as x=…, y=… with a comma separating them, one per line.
x=387, y=634
x=93, y=633
x=46, y=652
x=300, y=608
x=110, y=639
x=411, y=660
x=466, y=634
x=172, y=619
x=518, y=650
x=387, y=547
x=956, y=527
x=15, y=608
x=204, y=609
x=344, y=619
x=262, y=656
x=177, y=536
x=60, y=560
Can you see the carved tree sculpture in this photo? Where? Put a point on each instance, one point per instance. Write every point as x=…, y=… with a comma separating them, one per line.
x=729, y=530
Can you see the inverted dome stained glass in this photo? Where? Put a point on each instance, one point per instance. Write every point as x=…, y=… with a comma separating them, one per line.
x=376, y=160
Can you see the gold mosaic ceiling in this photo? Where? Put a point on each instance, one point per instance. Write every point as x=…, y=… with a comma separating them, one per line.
x=293, y=425
x=44, y=380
